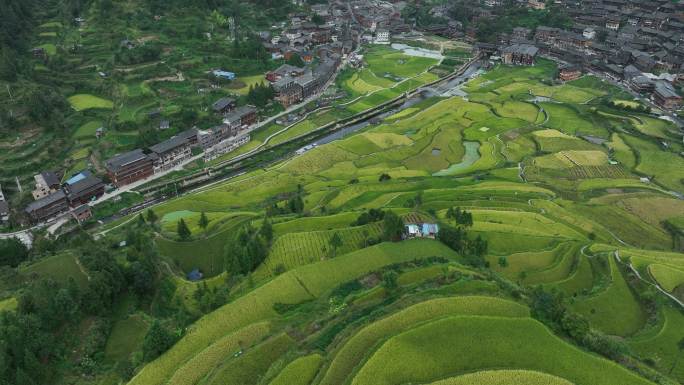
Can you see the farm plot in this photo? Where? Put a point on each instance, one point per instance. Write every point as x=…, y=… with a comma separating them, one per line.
x=660, y=345
x=352, y=352
x=300, y=371
x=615, y=310
x=211, y=357
x=82, y=102
x=665, y=167
x=60, y=267
x=257, y=305
x=470, y=343
x=504, y=377
x=553, y=141
x=297, y=249
x=567, y=119
x=125, y=338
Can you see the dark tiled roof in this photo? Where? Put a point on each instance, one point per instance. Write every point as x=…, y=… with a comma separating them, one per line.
x=43, y=202
x=118, y=162
x=4, y=207
x=222, y=103
x=50, y=178
x=169, y=145
x=83, y=185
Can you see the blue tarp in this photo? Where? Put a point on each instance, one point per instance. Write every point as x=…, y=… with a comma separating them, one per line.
x=195, y=275
x=224, y=74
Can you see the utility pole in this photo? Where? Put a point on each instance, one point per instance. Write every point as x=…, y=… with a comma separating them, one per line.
x=18, y=185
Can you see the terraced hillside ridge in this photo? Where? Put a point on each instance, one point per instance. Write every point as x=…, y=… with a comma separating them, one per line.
x=503, y=227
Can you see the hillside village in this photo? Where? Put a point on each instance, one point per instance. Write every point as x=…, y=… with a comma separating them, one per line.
x=637, y=43
x=326, y=192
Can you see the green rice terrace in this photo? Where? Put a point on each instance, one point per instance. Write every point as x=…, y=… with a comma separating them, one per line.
x=558, y=257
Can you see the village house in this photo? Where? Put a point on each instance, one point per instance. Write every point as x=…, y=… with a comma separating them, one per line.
x=47, y=207
x=284, y=70
x=569, y=73
x=129, y=167
x=224, y=105
x=242, y=118
x=46, y=183
x=519, y=54
x=4, y=208
x=666, y=97
x=421, y=230
x=382, y=36
x=170, y=153
x=225, y=146
x=82, y=188
x=82, y=213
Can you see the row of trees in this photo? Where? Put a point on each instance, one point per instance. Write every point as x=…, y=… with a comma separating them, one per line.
x=249, y=248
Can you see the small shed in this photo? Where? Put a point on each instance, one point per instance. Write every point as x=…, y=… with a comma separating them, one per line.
x=195, y=275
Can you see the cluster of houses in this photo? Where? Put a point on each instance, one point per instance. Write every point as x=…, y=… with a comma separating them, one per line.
x=4, y=209
x=294, y=84
x=636, y=41
x=53, y=198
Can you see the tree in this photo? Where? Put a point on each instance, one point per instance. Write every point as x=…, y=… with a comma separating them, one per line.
x=266, y=230
x=12, y=252
x=183, y=230
x=157, y=340
x=384, y=177
x=389, y=280
x=503, y=261
x=335, y=242
x=295, y=60
x=680, y=347
x=203, y=221
x=393, y=226
x=151, y=217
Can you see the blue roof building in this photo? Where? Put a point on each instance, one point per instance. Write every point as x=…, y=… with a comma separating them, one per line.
x=195, y=275
x=224, y=74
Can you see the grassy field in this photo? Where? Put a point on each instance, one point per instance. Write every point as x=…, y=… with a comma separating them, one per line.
x=615, y=310
x=60, y=268
x=660, y=343
x=300, y=371
x=504, y=377
x=82, y=102
x=293, y=287
x=351, y=354
x=125, y=338
x=463, y=344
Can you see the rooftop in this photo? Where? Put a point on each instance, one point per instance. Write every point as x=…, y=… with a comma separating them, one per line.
x=47, y=201
x=169, y=144
x=118, y=162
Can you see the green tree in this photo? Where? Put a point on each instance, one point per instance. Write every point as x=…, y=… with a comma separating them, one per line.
x=157, y=340
x=183, y=230
x=151, y=217
x=335, y=242
x=12, y=252
x=393, y=226
x=389, y=280
x=266, y=230
x=503, y=261
x=203, y=221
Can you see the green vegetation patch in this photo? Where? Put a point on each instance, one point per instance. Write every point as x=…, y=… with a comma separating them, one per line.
x=300, y=371
x=463, y=344
x=82, y=102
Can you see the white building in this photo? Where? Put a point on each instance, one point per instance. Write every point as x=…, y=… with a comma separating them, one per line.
x=589, y=33
x=382, y=36
x=225, y=147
